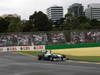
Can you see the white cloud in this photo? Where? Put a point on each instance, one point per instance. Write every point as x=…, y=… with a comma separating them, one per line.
x=27, y=7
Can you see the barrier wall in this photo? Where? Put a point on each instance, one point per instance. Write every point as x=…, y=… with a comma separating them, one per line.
x=23, y=48
x=47, y=47
x=66, y=46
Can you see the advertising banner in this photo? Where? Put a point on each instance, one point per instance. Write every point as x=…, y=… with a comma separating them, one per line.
x=23, y=48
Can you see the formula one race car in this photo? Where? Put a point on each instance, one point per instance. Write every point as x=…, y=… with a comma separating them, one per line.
x=52, y=57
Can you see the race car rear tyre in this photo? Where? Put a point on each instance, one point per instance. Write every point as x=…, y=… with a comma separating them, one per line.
x=39, y=58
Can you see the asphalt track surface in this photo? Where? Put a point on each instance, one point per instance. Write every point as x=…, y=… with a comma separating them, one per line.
x=17, y=64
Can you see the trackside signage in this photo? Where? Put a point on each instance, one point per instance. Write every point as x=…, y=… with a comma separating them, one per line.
x=23, y=48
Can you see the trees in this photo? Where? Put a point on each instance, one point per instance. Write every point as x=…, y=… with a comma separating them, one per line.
x=37, y=22
x=3, y=25
x=14, y=23
x=27, y=26
x=83, y=19
x=41, y=21
x=68, y=16
x=78, y=23
x=95, y=24
x=83, y=22
x=71, y=22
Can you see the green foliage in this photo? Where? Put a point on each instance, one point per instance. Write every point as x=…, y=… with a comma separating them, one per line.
x=80, y=22
x=41, y=21
x=84, y=26
x=26, y=26
x=82, y=19
x=14, y=23
x=68, y=16
x=72, y=23
x=3, y=25
x=95, y=24
x=29, y=52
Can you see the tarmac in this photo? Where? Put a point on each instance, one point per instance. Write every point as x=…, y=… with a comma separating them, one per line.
x=18, y=64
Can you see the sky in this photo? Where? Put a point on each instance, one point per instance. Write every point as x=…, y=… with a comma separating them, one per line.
x=25, y=8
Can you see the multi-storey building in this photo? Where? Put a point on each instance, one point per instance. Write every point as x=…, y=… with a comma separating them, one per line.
x=76, y=9
x=93, y=11
x=55, y=13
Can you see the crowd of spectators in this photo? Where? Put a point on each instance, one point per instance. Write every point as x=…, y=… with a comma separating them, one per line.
x=39, y=39
x=85, y=37
x=56, y=38
x=50, y=38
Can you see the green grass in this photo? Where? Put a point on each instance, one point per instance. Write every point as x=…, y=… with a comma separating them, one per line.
x=29, y=52
x=85, y=58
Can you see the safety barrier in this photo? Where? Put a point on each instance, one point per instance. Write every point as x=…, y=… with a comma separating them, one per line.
x=65, y=46
x=47, y=47
x=23, y=48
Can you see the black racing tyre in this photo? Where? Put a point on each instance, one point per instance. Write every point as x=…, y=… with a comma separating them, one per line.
x=67, y=58
x=62, y=59
x=39, y=58
x=51, y=58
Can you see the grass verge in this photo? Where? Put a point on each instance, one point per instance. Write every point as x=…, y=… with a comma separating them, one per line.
x=85, y=58
x=29, y=52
